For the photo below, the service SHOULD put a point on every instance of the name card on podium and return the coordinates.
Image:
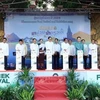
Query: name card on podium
(49, 59)
(18, 60)
(33, 60)
(80, 59)
(65, 60)
(94, 59)
(1, 60)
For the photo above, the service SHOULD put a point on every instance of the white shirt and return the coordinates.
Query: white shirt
(49, 47)
(72, 50)
(92, 47)
(42, 47)
(21, 49)
(64, 48)
(5, 48)
(85, 50)
(35, 48)
(57, 47)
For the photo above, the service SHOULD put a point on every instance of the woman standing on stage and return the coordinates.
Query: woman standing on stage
(41, 54)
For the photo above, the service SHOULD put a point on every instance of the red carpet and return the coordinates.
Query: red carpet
(50, 88)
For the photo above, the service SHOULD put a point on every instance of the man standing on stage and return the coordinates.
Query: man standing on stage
(78, 46)
(56, 54)
(64, 48)
(85, 53)
(92, 46)
(22, 49)
(49, 45)
(98, 53)
(72, 52)
(5, 47)
(34, 47)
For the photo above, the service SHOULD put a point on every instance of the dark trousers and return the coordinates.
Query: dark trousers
(85, 61)
(56, 60)
(5, 62)
(23, 61)
(90, 61)
(76, 62)
(71, 64)
(61, 67)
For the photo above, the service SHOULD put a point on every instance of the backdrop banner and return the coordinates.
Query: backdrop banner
(41, 26)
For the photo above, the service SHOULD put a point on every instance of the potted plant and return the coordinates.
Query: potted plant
(76, 87)
(8, 93)
(93, 91)
(24, 77)
(0, 94)
(25, 93)
(25, 89)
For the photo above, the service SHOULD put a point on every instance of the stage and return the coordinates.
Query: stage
(9, 77)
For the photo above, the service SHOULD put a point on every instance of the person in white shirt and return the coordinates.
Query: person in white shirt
(49, 45)
(85, 53)
(56, 55)
(64, 48)
(5, 47)
(72, 54)
(34, 47)
(21, 48)
(92, 46)
(41, 54)
(98, 52)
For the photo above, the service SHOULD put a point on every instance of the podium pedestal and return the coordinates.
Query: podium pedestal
(49, 60)
(33, 60)
(80, 59)
(65, 61)
(94, 59)
(18, 60)
(1, 60)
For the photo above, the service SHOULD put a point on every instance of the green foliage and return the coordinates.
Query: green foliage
(8, 93)
(76, 87)
(19, 92)
(25, 93)
(25, 77)
(81, 89)
(15, 4)
(75, 93)
(93, 91)
(0, 94)
(26, 90)
(67, 4)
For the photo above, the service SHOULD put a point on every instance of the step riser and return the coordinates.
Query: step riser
(51, 99)
(50, 87)
(50, 94)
